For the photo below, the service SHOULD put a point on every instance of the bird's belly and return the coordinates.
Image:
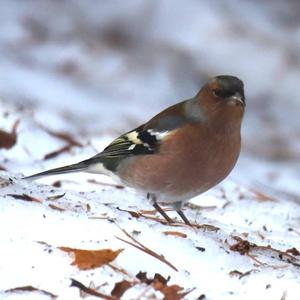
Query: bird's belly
(172, 176)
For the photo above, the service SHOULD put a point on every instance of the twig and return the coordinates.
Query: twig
(244, 247)
(120, 270)
(82, 287)
(29, 288)
(145, 249)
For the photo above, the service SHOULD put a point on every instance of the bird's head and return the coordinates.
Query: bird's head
(222, 99)
(226, 89)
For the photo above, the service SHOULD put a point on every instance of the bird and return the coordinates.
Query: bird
(180, 153)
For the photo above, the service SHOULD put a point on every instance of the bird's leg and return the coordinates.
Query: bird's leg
(152, 197)
(162, 212)
(183, 217)
(177, 206)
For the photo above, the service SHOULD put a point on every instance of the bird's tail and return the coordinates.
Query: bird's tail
(81, 166)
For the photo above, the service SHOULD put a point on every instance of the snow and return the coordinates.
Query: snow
(101, 69)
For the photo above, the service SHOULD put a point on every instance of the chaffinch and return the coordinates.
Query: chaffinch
(182, 152)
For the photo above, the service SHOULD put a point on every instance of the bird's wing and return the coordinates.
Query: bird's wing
(137, 141)
(145, 139)
(141, 140)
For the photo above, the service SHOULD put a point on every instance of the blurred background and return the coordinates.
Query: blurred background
(107, 66)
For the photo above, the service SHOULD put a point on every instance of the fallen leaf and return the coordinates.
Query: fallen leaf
(65, 136)
(90, 259)
(142, 276)
(132, 213)
(169, 292)
(175, 233)
(121, 287)
(55, 197)
(57, 152)
(293, 251)
(56, 183)
(9, 139)
(161, 278)
(159, 283)
(55, 207)
(242, 246)
(25, 197)
(29, 288)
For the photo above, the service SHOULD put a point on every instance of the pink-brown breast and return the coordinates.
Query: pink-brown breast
(189, 163)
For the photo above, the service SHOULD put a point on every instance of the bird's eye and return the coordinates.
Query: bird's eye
(221, 93)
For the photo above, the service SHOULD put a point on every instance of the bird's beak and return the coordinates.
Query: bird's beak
(236, 99)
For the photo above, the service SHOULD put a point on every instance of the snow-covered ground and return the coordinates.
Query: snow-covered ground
(76, 74)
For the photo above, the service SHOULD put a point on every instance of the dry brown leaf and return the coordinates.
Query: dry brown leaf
(25, 197)
(57, 152)
(242, 246)
(55, 207)
(55, 197)
(175, 233)
(66, 137)
(294, 251)
(90, 259)
(132, 213)
(9, 139)
(56, 183)
(160, 283)
(63, 136)
(121, 287)
(142, 276)
(170, 292)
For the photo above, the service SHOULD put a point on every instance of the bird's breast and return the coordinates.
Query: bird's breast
(189, 163)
